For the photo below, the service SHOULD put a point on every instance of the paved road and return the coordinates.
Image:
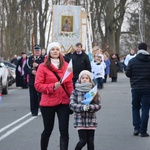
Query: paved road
(114, 131)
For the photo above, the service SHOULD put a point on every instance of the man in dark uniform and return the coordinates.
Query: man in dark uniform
(31, 68)
(80, 61)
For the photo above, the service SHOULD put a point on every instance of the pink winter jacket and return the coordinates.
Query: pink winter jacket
(44, 83)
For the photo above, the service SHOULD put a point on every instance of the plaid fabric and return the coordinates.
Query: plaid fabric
(82, 118)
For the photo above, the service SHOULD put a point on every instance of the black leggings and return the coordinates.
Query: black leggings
(48, 114)
(85, 137)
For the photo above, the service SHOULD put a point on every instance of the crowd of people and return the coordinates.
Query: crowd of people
(42, 74)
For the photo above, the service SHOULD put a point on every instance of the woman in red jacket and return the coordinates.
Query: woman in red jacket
(55, 97)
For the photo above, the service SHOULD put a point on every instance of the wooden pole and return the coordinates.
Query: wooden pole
(33, 47)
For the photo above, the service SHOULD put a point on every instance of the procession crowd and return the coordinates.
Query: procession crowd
(42, 73)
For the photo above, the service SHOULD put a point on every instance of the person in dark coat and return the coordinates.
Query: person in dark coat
(80, 61)
(69, 55)
(14, 60)
(66, 58)
(113, 67)
(31, 69)
(138, 70)
(21, 76)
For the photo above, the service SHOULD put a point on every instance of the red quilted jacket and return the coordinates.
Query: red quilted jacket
(44, 83)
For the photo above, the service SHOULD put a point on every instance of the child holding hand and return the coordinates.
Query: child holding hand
(84, 115)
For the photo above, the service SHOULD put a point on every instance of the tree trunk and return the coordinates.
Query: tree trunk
(110, 29)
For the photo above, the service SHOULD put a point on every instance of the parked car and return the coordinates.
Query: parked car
(12, 72)
(4, 77)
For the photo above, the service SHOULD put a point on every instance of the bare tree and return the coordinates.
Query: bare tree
(108, 16)
(19, 19)
(13, 28)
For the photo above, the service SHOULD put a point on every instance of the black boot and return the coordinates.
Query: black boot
(44, 142)
(64, 143)
(115, 79)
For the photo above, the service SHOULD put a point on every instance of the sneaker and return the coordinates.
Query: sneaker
(136, 132)
(144, 134)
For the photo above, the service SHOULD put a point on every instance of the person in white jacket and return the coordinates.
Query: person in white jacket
(92, 66)
(129, 57)
(98, 70)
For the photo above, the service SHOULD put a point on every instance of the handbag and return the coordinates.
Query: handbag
(57, 76)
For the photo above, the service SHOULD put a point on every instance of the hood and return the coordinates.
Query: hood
(143, 52)
(143, 55)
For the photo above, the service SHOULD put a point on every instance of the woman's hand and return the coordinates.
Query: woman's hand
(57, 85)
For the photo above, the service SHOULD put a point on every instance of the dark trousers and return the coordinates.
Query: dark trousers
(99, 83)
(105, 78)
(34, 100)
(85, 137)
(48, 114)
(24, 83)
(140, 100)
(114, 79)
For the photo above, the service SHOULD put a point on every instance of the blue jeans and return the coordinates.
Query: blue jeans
(140, 101)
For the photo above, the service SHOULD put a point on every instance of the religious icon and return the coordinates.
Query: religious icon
(67, 24)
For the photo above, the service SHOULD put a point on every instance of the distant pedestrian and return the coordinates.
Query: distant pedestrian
(107, 69)
(100, 52)
(67, 59)
(113, 68)
(31, 67)
(14, 60)
(43, 52)
(80, 61)
(94, 48)
(129, 57)
(118, 65)
(99, 71)
(21, 76)
(85, 115)
(138, 70)
(92, 66)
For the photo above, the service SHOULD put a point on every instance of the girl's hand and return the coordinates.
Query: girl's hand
(85, 107)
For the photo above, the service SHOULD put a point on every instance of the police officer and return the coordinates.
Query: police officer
(31, 68)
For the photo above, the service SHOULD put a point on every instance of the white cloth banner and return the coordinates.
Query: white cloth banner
(66, 25)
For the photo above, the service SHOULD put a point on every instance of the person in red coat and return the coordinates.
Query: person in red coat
(55, 96)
